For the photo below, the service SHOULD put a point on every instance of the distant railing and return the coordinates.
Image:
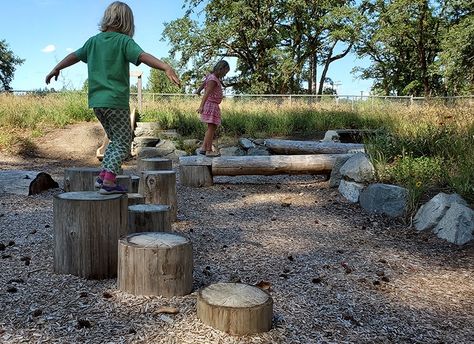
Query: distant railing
(351, 100)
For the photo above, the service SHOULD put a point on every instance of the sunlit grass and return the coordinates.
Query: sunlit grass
(421, 147)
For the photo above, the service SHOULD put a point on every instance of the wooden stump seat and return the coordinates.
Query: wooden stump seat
(159, 187)
(155, 263)
(87, 227)
(149, 218)
(235, 308)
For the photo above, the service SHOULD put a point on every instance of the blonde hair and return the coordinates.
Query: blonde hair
(221, 65)
(118, 17)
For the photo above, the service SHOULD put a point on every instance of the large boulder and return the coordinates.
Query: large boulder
(429, 214)
(336, 175)
(386, 199)
(350, 190)
(358, 168)
(457, 225)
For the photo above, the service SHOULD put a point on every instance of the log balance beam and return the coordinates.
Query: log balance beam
(199, 170)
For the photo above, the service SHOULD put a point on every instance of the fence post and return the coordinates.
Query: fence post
(411, 100)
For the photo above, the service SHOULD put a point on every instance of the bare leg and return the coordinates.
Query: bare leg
(211, 130)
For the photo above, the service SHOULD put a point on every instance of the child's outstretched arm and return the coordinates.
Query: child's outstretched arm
(66, 62)
(153, 62)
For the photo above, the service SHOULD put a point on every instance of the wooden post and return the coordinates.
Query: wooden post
(125, 181)
(195, 171)
(135, 198)
(135, 180)
(235, 308)
(155, 263)
(80, 178)
(87, 226)
(154, 164)
(274, 164)
(159, 187)
(149, 218)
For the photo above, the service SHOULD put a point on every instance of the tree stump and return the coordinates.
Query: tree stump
(80, 178)
(87, 227)
(149, 218)
(159, 187)
(124, 180)
(155, 263)
(235, 308)
(154, 164)
(195, 171)
(135, 198)
(135, 181)
(195, 176)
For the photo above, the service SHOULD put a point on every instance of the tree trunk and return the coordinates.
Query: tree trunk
(235, 308)
(149, 218)
(310, 147)
(80, 178)
(273, 165)
(159, 187)
(155, 264)
(87, 226)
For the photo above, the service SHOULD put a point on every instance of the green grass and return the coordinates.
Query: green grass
(423, 148)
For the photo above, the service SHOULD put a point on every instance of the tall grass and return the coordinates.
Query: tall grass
(424, 148)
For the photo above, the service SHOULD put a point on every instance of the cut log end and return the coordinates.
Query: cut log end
(235, 308)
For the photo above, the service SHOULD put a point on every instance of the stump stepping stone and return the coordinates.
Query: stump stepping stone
(155, 263)
(235, 308)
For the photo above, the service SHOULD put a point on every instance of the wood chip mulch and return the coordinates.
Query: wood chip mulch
(336, 273)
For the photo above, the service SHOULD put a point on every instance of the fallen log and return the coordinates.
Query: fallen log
(273, 165)
(310, 147)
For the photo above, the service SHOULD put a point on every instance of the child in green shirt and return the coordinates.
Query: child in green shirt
(108, 55)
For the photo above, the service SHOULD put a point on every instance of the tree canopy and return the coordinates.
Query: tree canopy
(8, 64)
(416, 47)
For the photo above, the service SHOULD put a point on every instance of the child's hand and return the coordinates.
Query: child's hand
(55, 73)
(200, 109)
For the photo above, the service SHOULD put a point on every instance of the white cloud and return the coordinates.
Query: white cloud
(69, 50)
(49, 48)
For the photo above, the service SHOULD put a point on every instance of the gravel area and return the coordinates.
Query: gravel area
(336, 274)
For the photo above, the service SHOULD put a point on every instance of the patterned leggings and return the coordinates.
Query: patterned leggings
(116, 123)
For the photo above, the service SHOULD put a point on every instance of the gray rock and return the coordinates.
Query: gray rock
(385, 199)
(147, 128)
(457, 225)
(168, 134)
(259, 150)
(147, 152)
(146, 141)
(336, 176)
(259, 142)
(165, 147)
(246, 143)
(232, 151)
(358, 168)
(331, 135)
(429, 214)
(350, 190)
(175, 155)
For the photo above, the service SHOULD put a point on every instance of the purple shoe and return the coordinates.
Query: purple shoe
(115, 189)
(98, 183)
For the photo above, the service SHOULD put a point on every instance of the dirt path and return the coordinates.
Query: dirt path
(336, 274)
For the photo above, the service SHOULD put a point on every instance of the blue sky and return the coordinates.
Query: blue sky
(44, 31)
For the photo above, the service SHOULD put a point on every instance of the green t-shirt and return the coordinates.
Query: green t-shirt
(108, 55)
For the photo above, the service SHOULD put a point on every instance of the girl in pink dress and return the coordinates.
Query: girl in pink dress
(209, 108)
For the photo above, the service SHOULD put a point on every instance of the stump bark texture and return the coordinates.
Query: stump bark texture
(80, 178)
(87, 227)
(159, 187)
(149, 218)
(235, 308)
(155, 263)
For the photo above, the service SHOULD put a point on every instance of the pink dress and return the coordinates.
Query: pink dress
(211, 113)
